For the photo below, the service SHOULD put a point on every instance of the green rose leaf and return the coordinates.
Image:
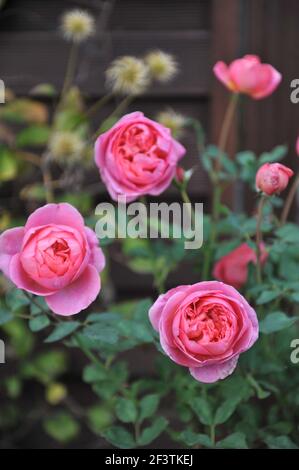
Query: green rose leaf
(225, 410)
(99, 332)
(39, 323)
(193, 439)
(148, 406)
(236, 440)
(126, 410)
(5, 316)
(62, 331)
(151, 433)
(280, 442)
(267, 296)
(120, 437)
(276, 321)
(202, 409)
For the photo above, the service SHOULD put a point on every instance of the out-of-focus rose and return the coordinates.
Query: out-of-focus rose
(248, 75)
(233, 267)
(137, 156)
(54, 256)
(297, 146)
(205, 327)
(272, 178)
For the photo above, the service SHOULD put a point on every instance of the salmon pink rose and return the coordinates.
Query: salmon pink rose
(54, 256)
(272, 178)
(205, 327)
(233, 267)
(248, 75)
(137, 156)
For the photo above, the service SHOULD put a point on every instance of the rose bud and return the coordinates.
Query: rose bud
(272, 178)
(180, 174)
(249, 76)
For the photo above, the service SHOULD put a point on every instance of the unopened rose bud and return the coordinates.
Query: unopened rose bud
(180, 174)
(272, 178)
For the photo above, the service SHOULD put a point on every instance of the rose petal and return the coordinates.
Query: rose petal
(20, 278)
(78, 295)
(10, 244)
(212, 373)
(97, 257)
(59, 214)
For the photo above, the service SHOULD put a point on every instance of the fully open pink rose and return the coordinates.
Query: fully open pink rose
(137, 156)
(233, 267)
(248, 75)
(272, 178)
(54, 256)
(205, 327)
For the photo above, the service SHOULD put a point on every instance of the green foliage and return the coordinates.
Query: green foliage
(62, 427)
(33, 136)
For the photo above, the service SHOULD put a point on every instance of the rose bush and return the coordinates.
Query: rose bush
(206, 365)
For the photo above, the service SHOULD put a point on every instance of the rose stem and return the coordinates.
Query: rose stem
(259, 237)
(216, 196)
(224, 134)
(186, 199)
(289, 201)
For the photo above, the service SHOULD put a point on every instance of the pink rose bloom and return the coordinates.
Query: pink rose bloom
(272, 178)
(205, 327)
(54, 256)
(248, 75)
(233, 267)
(297, 146)
(137, 156)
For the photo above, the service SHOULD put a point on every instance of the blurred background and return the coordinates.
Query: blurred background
(197, 33)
